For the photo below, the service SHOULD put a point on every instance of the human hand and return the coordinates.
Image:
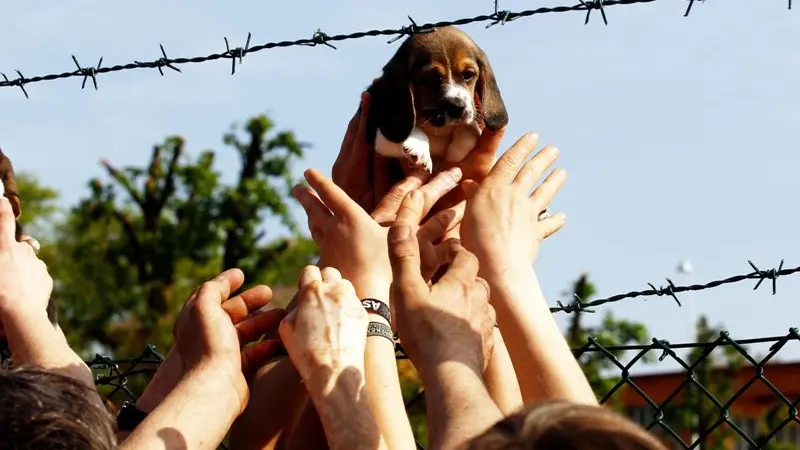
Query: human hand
(25, 284)
(501, 223)
(362, 173)
(450, 320)
(327, 331)
(212, 329)
(355, 242)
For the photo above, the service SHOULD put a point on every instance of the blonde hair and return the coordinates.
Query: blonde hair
(562, 425)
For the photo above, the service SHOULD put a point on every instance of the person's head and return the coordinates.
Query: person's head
(43, 409)
(561, 425)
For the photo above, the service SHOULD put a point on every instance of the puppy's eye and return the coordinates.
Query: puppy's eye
(468, 75)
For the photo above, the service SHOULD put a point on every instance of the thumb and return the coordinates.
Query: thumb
(404, 252)
(469, 187)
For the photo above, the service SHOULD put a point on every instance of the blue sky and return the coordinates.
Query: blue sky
(678, 134)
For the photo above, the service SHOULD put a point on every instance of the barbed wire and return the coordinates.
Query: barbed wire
(671, 290)
(319, 37)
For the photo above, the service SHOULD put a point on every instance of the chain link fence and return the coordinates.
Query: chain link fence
(718, 393)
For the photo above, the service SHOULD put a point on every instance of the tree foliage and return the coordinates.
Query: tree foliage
(126, 256)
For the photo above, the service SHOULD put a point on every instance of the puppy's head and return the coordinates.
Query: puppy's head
(437, 79)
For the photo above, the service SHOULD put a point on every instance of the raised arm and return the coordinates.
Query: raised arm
(504, 226)
(446, 329)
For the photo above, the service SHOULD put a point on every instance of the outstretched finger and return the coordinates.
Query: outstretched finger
(331, 195)
(386, 211)
(227, 282)
(510, 162)
(543, 195)
(438, 187)
(535, 167)
(308, 275)
(248, 301)
(257, 355)
(404, 253)
(259, 324)
(316, 210)
(435, 228)
(552, 224)
(8, 224)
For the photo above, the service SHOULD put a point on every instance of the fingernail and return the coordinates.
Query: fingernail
(399, 233)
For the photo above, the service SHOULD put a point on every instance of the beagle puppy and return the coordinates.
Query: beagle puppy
(8, 188)
(431, 99)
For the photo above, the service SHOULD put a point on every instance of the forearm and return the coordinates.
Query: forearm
(501, 380)
(341, 402)
(382, 379)
(458, 405)
(277, 399)
(196, 414)
(542, 359)
(32, 339)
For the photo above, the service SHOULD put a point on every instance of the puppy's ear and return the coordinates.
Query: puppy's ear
(494, 111)
(10, 184)
(392, 97)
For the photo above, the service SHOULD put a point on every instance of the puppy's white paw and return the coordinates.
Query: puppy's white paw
(418, 151)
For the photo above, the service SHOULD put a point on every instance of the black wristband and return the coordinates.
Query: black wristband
(129, 417)
(380, 329)
(378, 307)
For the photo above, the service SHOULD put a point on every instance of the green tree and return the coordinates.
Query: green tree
(130, 252)
(611, 332)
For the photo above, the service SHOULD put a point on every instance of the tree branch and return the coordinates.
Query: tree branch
(124, 182)
(140, 258)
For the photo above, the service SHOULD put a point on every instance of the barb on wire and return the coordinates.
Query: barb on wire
(672, 290)
(497, 16)
(88, 72)
(320, 38)
(235, 53)
(162, 62)
(771, 274)
(595, 4)
(17, 82)
(669, 290)
(408, 30)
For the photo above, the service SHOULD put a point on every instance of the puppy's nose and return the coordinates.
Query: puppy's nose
(455, 107)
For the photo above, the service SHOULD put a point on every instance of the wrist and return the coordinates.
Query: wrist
(498, 272)
(217, 383)
(323, 381)
(372, 286)
(451, 375)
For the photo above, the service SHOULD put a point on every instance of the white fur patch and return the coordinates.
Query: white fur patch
(417, 150)
(462, 95)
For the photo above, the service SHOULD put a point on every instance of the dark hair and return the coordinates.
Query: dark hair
(562, 425)
(41, 409)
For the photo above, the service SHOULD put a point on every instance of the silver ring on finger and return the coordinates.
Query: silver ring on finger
(544, 214)
(35, 245)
